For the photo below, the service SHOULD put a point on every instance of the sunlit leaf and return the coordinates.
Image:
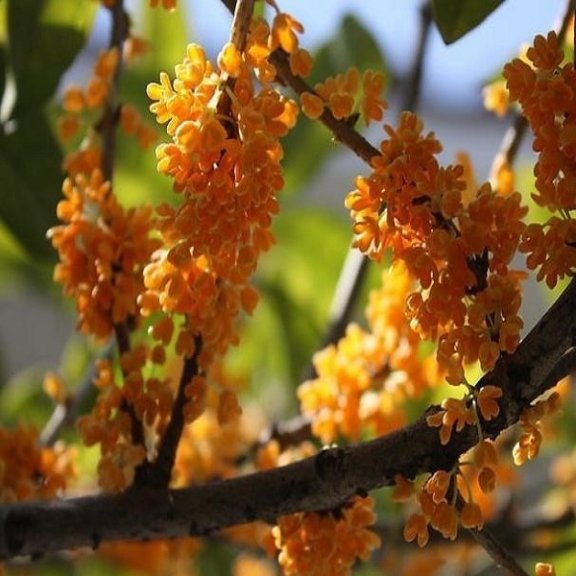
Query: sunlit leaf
(455, 18)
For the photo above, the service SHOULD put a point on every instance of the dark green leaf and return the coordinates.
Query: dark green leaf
(455, 18)
(30, 160)
(353, 45)
(44, 37)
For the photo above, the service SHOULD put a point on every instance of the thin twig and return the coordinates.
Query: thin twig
(157, 474)
(412, 94)
(565, 366)
(356, 265)
(110, 115)
(241, 23)
(493, 546)
(497, 552)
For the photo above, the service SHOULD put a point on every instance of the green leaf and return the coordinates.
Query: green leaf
(298, 277)
(352, 45)
(455, 18)
(166, 31)
(44, 37)
(30, 160)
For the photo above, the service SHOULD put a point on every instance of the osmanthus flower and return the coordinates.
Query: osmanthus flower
(326, 543)
(102, 249)
(544, 87)
(347, 94)
(365, 379)
(531, 435)
(29, 471)
(78, 100)
(225, 121)
(457, 243)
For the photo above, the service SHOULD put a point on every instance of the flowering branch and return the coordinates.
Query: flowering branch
(320, 482)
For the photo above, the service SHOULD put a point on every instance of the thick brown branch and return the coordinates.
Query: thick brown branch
(320, 482)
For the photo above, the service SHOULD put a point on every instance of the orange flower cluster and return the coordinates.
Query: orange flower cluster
(79, 105)
(110, 425)
(528, 445)
(152, 558)
(474, 481)
(340, 95)
(103, 249)
(496, 98)
(458, 248)
(77, 100)
(544, 87)
(31, 472)
(438, 512)
(224, 159)
(365, 380)
(326, 543)
(457, 413)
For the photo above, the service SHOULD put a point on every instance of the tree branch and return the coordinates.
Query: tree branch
(320, 482)
(157, 474)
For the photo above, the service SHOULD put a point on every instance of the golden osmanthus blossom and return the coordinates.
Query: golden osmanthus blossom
(456, 413)
(77, 99)
(102, 250)
(496, 98)
(81, 105)
(528, 445)
(457, 245)
(544, 88)
(365, 379)
(29, 471)
(110, 426)
(153, 558)
(208, 449)
(342, 93)
(326, 543)
(437, 508)
(225, 121)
